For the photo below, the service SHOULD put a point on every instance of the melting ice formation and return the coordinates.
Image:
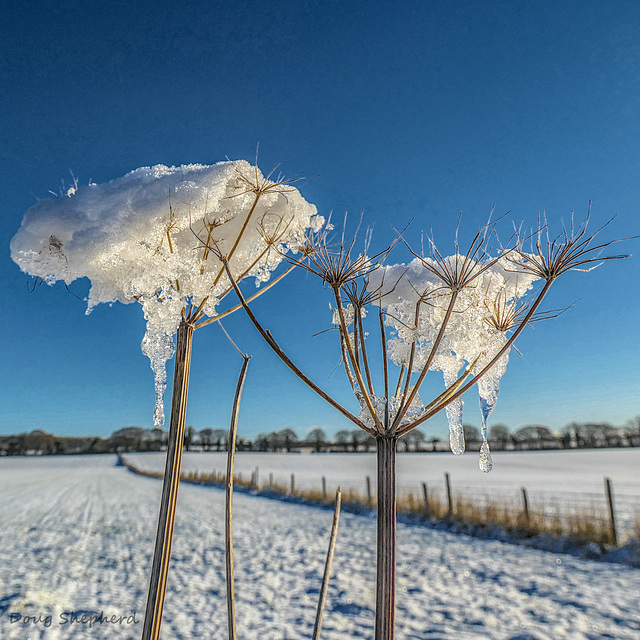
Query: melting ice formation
(475, 332)
(135, 239)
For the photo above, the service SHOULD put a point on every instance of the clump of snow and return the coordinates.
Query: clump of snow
(475, 332)
(143, 237)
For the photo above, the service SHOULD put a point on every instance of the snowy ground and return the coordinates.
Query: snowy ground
(77, 533)
(553, 478)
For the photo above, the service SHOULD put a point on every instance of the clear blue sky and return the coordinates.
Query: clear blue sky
(405, 110)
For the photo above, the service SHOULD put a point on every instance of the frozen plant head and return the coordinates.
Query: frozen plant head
(145, 238)
(572, 250)
(460, 314)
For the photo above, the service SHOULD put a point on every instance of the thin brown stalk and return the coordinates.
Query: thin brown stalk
(467, 267)
(197, 314)
(358, 374)
(399, 383)
(211, 226)
(407, 401)
(259, 188)
(386, 538)
(337, 268)
(243, 275)
(327, 566)
(572, 253)
(287, 361)
(239, 236)
(365, 359)
(345, 362)
(383, 338)
(228, 530)
(264, 289)
(412, 354)
(356, 340)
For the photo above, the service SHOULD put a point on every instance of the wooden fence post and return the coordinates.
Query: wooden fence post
(255, 480)
(270, 480)
(447, 482)
(324, 488)
(612, 514)
(525, 505)
(369, 490)
(425, 495)
(293, 483)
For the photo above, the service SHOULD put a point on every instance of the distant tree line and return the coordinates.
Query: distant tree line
(533, 437)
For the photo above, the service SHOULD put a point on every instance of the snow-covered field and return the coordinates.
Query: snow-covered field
(553, 478)
(76, 535)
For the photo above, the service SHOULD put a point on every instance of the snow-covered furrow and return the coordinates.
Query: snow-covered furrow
(76, 534)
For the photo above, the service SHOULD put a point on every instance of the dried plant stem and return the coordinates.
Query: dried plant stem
(345, 362)
(386, 543)
(224, 314)
(356, 369)
(164, 535)
(441, 399)
(383, 337)
(245, 273)
(436, 343)
(283, 356)
(228, 521)
(356, 341)
(363, 346)
(327, 566)
(412, 353)
(239, 236)
(400, 376)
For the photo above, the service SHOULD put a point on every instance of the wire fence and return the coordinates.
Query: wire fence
(598, 514)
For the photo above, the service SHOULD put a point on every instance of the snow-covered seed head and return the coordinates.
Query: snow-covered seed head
(336, 264)
(133, 237)
(572, 250)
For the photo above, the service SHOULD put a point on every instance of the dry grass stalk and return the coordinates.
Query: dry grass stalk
(327, 567)
(228, 520)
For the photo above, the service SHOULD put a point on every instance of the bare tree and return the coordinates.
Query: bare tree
(415, 439)
(287, 438)
(317, 437)
(220, 439)
(189, 435)
(499, 436)
(206, 438)
(342, 438)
